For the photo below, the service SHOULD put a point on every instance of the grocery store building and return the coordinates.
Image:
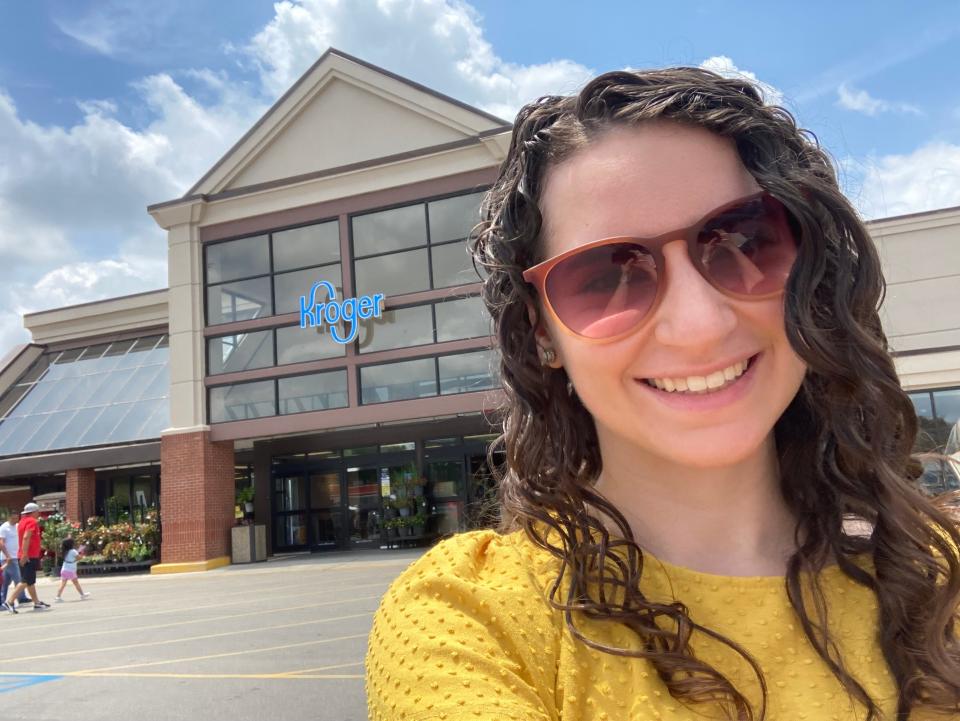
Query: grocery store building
(322, 337)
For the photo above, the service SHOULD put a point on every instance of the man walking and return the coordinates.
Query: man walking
(28, 531)
(9, 557)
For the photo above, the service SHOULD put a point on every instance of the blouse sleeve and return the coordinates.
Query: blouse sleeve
(464, 634)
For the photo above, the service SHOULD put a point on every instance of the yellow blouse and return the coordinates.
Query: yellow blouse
(465, 633)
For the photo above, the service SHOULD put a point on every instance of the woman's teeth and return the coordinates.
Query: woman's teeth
(700, 384)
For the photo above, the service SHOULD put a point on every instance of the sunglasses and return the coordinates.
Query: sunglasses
(605, 289)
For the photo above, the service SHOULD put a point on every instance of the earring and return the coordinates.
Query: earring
(547, 356)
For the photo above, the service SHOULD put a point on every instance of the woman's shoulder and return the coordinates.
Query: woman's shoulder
(483, 559)
(469, 613)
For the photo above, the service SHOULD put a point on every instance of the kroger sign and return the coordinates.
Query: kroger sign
(315, 312)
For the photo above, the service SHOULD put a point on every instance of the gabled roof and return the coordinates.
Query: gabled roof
(343, 111)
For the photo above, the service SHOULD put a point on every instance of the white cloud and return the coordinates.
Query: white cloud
(926, 179)
(722, 65)
(862, 102)
(73, 221)
(439, 43)
(118, 28)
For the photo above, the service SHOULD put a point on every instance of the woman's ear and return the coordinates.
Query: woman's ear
(547, 350)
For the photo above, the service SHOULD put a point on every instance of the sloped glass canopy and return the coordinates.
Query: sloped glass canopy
(97, 395)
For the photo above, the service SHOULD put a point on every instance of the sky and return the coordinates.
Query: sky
(107, 106)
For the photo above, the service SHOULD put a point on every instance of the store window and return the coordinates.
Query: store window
(240, 352)
(240, 300)
(394, 273)
(242, 401)
(266, 274)
(299, 345)
(389, 230)
(307, 246)
(398, 381)
(400, 328)
(312, 392)
(289, 287)
(415, 247)
(243, 258)
(462, 318)
(466, 372)
(938, 415)
(424, 377)
(938, 412)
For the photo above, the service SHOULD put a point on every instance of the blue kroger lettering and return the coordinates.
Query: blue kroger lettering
(314, 312)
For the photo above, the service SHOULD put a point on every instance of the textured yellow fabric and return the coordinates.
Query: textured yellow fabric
(465, 633)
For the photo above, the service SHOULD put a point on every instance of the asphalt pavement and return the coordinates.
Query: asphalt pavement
(283, 639)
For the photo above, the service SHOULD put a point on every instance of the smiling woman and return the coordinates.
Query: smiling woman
(699, 399)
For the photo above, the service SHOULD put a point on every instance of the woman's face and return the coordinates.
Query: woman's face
(644, 181)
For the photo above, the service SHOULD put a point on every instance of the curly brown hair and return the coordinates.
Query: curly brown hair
(844, 443)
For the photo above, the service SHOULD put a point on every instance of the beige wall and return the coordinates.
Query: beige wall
(921, 313)
(344, 125)
(128, 313)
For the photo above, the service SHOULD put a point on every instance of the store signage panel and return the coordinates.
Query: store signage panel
(315, 313)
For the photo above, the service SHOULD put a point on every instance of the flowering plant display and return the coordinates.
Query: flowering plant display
(121, 542)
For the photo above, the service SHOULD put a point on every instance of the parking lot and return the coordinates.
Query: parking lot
(283, 639)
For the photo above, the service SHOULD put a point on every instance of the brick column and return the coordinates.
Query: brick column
(81, 493)
(196, 502)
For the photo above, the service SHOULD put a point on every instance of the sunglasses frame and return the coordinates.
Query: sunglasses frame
(537, 275)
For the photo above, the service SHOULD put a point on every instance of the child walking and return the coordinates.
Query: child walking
(69, 570)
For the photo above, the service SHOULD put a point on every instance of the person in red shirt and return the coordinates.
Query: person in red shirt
(28, 531)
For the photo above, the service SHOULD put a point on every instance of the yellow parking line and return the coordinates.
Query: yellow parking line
(95, 671)
(296, 674)
(168, 641)
(204, 619)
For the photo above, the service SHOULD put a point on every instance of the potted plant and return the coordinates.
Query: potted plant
(419, 523)
(245, 499)
(391, 527)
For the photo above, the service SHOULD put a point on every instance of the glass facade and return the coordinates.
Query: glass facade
(425, 377)
(240, 352)
(417, 247)
(96, 395)
(938, 416)
(283, 396)
(938, 412)
(379, 495)
(250, 277)
(314, 392)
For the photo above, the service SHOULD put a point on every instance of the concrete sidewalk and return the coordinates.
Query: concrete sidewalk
(283, 639)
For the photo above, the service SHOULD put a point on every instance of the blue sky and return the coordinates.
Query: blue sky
(110, 105)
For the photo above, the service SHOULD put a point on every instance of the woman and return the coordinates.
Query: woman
(699, 395)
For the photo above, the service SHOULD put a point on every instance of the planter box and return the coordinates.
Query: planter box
(248, 544)
(102, 569)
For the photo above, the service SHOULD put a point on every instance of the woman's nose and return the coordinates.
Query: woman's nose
(692, 312)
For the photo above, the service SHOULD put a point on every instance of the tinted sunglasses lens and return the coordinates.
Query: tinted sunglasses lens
(748, 250)
(604, 291)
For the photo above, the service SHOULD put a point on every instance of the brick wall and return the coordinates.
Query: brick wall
(196, 497)
(81, 493)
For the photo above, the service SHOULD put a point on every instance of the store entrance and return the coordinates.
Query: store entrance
(323, 502)
(382, 496)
